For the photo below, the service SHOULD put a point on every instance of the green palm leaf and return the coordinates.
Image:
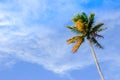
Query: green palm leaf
(91, 20)
(76, 18)
(96, 27)
(85, 18)
(95, 42)
(101, 29)
(74, 29)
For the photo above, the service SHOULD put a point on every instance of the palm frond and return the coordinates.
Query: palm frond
(85, 18)
(91, 20)
(97, 35)
(76, 17)
(77, 45)
(95, 42)
(82, 16)
(73, 39)
(96, 27)
(73, 29)
(101, 29)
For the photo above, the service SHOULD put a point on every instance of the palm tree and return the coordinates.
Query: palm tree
(86, 30)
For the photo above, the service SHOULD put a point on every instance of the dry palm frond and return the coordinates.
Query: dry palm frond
(72, 40)
(77, 45)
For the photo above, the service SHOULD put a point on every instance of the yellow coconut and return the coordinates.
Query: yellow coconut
(80, 25)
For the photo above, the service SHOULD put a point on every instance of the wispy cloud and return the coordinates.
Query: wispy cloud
(32, 42)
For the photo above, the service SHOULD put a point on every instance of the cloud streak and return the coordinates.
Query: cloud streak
(37, 43)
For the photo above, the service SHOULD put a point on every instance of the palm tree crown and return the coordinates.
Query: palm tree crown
(85, 29)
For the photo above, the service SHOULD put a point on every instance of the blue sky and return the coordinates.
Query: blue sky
(33, 40)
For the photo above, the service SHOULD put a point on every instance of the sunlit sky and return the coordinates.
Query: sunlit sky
(33, 40)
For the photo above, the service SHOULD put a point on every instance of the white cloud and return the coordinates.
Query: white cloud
(40, 49)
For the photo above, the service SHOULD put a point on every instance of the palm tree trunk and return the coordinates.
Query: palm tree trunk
(96, 61)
